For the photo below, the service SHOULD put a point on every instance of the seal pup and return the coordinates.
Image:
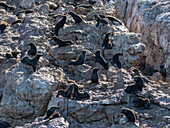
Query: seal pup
(106, 42)
(135, 87)
(17, 21)
(33, 49)
(116, 59)
(76, 17)
(99, 20)
(31, 61)
(4, 124)
(3, 26)
(61, 42)
(130, 114)
(163, 72)
(141, 102)
(50, 112)
(59, 25)
(65, 93)
(77, 95)
(12, 54)
(99, 58)
(80, 60)
(95, 76)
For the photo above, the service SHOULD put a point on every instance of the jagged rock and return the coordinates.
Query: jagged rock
(40, 123)
(27, 3)
(156, 76)
(26, 95)
(27, 91)
(151, 19)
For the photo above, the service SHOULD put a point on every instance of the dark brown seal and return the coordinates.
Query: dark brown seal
(80, 60)
(99, 58)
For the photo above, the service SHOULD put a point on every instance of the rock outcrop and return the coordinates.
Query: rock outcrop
(25, 95)
(151, 19)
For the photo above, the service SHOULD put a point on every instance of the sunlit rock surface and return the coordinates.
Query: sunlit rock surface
(25, 95)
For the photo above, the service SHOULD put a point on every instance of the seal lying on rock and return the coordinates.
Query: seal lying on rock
(12, 54)
(141, 102)
(61, 42)
(3, 4)
(17, 21)
(80, 60)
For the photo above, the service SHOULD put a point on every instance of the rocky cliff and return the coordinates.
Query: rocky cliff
(27, 95)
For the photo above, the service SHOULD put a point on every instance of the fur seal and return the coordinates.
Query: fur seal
(99, 58)
(163, 72)
(92, 2)
(99, 20)
(130, 114)
(33, 49)
(80, 60)
(3, 26)
(76, 17)
(50, 112)
(95, 76)
(25, 11)
(137, 73)
(116, 59)
(54, 115)
(77, 95)
(135, 87)
(3, 4)
(60, 24)
(141, 102)
(66, 93)
(4, 124)
(106, 42)
(112, 19)
(61, 42)
(31, 61)
(12, 54)
(17, 21)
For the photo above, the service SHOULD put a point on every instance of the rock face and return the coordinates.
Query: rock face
(151, 19)
(26, 95)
